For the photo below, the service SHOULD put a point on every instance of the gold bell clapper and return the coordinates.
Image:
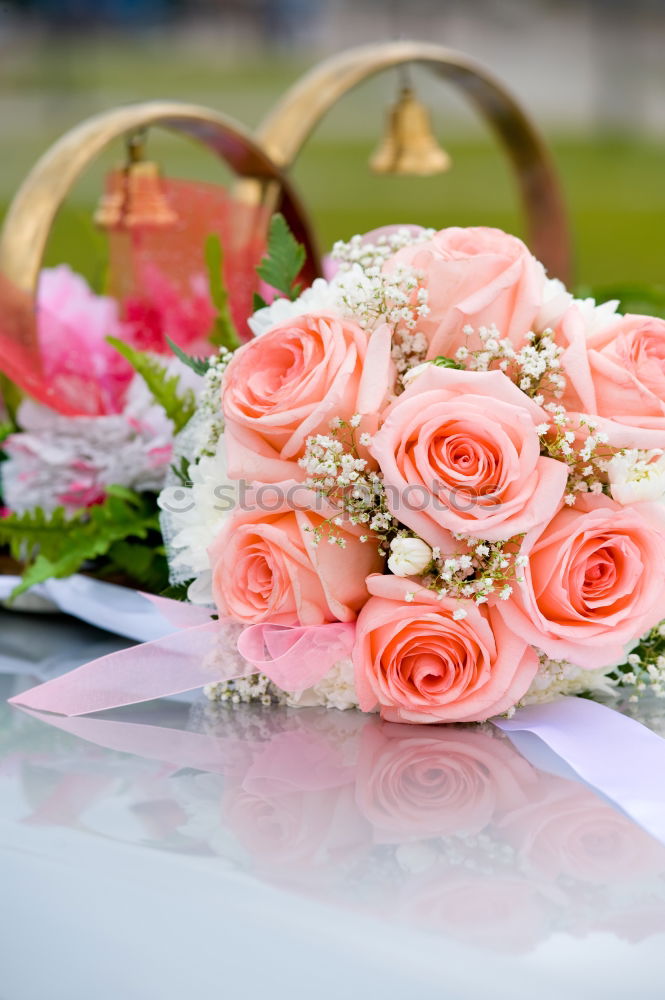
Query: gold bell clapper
(409, 146)
(134, 196)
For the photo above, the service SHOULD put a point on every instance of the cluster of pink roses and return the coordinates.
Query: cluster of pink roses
(473, 444)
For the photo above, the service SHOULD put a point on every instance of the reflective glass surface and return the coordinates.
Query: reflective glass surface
(182, 849)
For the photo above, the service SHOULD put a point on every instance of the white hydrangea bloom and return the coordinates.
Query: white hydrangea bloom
(637, 476)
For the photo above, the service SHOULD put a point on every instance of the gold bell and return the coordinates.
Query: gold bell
(134, 195)
(409, 146)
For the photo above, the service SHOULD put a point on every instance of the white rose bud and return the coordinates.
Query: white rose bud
(409, 556)
(637, 476)
(408, 376)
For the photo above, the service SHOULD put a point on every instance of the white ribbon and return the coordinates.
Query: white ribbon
(110, 607)
(613, 753)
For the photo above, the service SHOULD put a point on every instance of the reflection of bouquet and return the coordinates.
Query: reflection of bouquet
(443, 446)
(448, 828)
(440, 829)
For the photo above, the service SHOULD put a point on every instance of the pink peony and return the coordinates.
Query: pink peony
(419, 663)
(594, 582)
(476, 277)
(266, 568)
(460, 452)
(290, 383)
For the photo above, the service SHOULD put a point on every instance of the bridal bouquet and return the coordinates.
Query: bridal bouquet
(439, 463)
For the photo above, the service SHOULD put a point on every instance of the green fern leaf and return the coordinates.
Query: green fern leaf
(284, 260)
(164, 387)
(198, 365)
(57, 545)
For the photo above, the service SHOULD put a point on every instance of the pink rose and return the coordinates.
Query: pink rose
(419, 663)
(595, 581)
(266, 567)
(293, 808)
(476, 277)
(460, 452)
(290, 383)
(627, 361)
(566, 830)
(412, 786)
(301, 835)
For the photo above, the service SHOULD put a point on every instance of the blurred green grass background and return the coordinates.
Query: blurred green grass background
(614, 185)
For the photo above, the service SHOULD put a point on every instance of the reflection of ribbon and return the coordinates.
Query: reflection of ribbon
(294, 658)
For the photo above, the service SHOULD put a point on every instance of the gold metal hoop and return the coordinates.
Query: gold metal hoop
(285, 130)
(31, 213)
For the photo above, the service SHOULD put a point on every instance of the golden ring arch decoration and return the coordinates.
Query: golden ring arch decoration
(285, 130)
(35, 205)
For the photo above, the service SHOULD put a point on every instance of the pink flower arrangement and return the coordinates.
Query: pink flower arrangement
(115, 435)
(444, 446)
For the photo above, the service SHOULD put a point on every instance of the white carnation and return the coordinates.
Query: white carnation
(555, 302)
(321, 297)
(197, 511)
(597, 317)
(409, 556)
(637, 476)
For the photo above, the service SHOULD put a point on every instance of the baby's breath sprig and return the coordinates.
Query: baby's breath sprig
(586, 458)
(358, 251)
(208, 403)
(337, 472)
(485, 570)
(373, 297)
(535, 367)
(644, 669)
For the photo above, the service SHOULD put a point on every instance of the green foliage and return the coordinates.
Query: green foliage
(282, 264)
(258, 302)
(198, 365)
(223, 333)
(443, 362)
(164, 387)
(146, 564)
(176, 591)
(647, 299)
(58, 544)
(182, 471)
(5, 430)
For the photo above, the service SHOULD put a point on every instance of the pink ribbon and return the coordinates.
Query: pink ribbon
(214, 652)
(298, 658)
